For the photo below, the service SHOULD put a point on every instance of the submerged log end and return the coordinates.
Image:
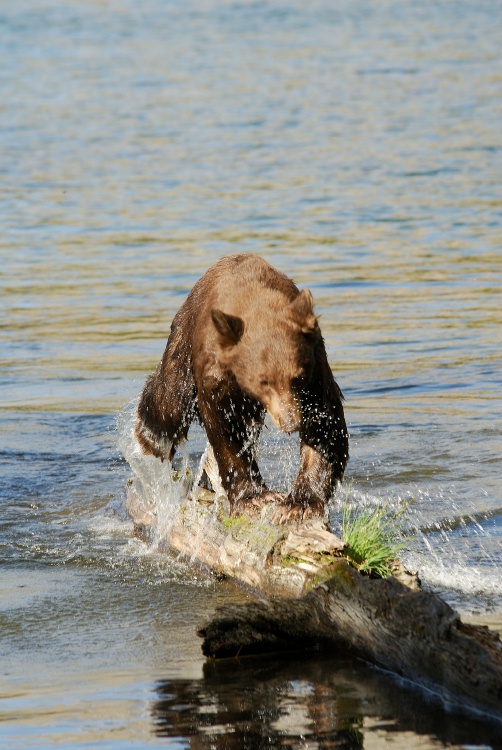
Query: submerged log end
(262, 627)
(238, 631)
(336, 611)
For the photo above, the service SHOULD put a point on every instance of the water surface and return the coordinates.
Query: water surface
(355, 145)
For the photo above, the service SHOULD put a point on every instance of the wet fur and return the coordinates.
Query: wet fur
(246, 339)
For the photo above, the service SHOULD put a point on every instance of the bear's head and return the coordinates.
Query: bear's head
(269, 350)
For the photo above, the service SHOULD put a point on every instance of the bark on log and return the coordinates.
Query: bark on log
(311, 596)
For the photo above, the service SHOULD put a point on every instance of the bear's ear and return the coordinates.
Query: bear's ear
(230, 327)
(302, 308)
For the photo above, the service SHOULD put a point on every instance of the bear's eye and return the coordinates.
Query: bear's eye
(264, 383)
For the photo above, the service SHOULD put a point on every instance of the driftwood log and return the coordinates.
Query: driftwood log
(309, 595)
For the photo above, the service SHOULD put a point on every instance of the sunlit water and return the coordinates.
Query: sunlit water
(355, 145)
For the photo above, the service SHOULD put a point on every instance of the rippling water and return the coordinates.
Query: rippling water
(355, 145)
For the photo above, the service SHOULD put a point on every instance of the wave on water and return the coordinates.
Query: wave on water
(459, 555)
(467, 580)
(463, 565)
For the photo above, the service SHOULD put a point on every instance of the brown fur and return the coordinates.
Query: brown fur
(244, 342)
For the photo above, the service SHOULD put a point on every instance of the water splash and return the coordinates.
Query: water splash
(162, 489)
(278, 456)
(458, 556)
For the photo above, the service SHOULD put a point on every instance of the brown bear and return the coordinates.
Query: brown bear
(246, 342)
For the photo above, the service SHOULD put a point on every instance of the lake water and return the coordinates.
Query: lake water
(357, 146)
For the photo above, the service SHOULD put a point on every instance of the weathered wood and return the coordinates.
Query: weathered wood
(414, 634)
(314, 596)
(273, 560)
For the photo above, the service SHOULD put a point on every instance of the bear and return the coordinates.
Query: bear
(246, 342)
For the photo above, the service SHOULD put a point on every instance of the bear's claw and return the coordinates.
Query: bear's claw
(253, 505)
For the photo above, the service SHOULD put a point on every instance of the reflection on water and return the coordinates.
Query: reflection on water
(320, 702)
(356, 145)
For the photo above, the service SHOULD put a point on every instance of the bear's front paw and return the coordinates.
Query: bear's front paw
(297, 510)
(254, 504)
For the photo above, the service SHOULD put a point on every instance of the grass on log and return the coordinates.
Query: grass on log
(372, 539)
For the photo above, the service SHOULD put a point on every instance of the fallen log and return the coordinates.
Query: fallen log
(310, 595)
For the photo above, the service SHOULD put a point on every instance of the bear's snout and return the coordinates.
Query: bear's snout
(284, 412)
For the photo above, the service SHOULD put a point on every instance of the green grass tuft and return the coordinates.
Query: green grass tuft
(371, 537)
